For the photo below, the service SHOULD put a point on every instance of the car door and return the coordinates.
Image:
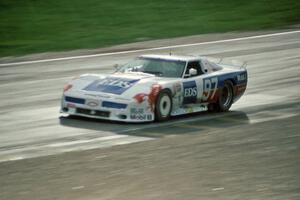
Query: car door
(192, 84)
(200, 88)
(210, 83)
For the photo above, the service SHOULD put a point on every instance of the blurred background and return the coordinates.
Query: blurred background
(34, 26)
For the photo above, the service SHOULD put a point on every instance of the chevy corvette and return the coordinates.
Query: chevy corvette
(155, 87)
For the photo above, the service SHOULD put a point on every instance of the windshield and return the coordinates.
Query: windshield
(158, 67)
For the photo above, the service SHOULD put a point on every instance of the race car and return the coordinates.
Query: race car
(155, 87)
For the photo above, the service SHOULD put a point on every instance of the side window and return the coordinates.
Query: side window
(195, 65)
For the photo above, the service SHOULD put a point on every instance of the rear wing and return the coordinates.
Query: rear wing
(227, 62)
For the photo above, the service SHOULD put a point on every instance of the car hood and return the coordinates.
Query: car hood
(118, 85)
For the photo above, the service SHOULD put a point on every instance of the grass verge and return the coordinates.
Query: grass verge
(33, 26)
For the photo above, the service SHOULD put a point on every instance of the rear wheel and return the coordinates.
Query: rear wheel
(163, 106)
(225, 99)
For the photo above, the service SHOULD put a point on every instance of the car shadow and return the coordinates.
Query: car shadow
(185, 124)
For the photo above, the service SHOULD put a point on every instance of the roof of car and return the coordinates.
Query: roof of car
(171, 57)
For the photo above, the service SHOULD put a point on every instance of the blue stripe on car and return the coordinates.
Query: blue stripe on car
(109, 104)
(236, 77)
(75, 100)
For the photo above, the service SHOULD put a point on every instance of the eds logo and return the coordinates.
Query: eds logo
(111, 85)
(189, 92)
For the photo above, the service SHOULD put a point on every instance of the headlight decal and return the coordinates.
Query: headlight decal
(109, 104)
(75, 100)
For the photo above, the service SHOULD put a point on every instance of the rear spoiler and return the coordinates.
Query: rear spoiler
(227, 62)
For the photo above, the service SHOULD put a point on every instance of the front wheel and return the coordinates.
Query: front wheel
(163, 106)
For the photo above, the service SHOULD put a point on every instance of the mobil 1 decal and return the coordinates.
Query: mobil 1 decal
(189, 92)
(210, 86)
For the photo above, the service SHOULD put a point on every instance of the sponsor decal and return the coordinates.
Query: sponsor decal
(177, 88)
(111, 85)
(98, 95)
(137, 110)
(141, 116)
(242, 77)
(189, 92)
(154, 91)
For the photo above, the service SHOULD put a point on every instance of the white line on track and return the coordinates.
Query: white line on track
(61, 144)
(150, 49)
(32, 151)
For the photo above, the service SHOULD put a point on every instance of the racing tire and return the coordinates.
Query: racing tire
(225, 99)
(163, 106)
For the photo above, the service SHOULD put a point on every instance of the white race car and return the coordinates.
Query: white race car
(155, 87)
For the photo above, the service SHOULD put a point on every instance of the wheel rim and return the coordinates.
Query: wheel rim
(165, 105)
(226, 95)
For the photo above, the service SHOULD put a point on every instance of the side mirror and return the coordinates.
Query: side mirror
(193, 72)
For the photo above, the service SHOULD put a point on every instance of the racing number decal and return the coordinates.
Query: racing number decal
(210, 86)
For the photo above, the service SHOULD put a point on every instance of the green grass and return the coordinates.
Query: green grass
(34, 26)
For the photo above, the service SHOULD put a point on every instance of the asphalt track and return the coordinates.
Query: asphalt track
(251, 152)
